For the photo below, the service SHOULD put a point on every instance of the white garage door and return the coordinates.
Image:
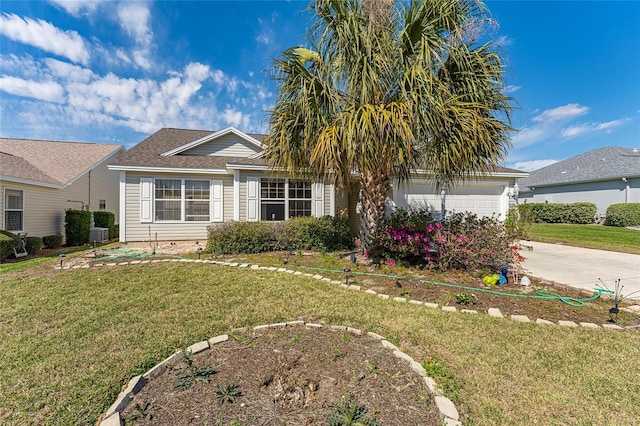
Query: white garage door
(482, 200)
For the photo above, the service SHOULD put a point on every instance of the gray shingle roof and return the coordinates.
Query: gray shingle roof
(148, 153)
(608, 163)
(50, 162)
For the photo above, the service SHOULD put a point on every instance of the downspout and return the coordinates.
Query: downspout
(89, 199)
(626, 190)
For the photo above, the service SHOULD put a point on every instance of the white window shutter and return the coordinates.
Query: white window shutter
(217, 201)
(146, 200)
(252, 199)
(317, 208)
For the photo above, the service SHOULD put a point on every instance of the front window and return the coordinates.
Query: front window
(168, 199)
(182, 200)
(281, 199)
(196, 200)
(299, 198)
(13, 210)
(272, 199)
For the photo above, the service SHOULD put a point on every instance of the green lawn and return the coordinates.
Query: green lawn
(590, 236)
(71, 339)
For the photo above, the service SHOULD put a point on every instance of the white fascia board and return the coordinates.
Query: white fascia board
(246, 167)
(167, 170)
(4, 178)
(210, 137)
(477, 174)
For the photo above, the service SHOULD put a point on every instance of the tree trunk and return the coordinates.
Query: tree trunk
(373, 195)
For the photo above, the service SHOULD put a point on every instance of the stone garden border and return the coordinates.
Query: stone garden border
(111, 417)
(494, 312)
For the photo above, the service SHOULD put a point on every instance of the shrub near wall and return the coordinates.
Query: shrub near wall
(239, 237)
(623, 214)
(34, 244)
(8, 242)
(309, 233)
(105, 220)
(52, 241)
(577, 213)
(77, 227)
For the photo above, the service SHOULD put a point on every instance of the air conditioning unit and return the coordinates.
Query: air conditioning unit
(99, 235)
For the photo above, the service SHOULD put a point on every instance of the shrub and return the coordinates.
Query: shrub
(473, 243)
(623, 214)
(105, 220)
(77, 227)
(8, 242)
(577, 213)
(310, 233)
(34, 244)
(240, 237)
(461, 241)
(52, 241)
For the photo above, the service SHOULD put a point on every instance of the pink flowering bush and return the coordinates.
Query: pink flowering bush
(461, 241)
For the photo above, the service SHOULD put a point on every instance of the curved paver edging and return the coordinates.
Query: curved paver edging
(494, 312)
(111, 417)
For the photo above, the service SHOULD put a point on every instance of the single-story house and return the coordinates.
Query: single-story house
(41, 179)
(603, 176)
(177, 182)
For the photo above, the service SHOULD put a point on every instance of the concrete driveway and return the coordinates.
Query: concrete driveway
(580, 267)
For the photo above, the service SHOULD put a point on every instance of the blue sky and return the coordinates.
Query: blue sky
(114, 72)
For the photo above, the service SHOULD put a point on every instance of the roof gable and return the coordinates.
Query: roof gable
(229, 142)
(51, 162)
(608, 163)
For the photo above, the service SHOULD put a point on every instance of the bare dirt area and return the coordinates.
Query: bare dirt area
(292, 376)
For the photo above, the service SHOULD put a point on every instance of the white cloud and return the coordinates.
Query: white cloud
(510, 88)
(134, 19)
(577, 130)
(529, 135)
(560, 113)
(264, 38)
(529, 166)
(49, 91)
(504, 41)
(45, 36)
(76, 7)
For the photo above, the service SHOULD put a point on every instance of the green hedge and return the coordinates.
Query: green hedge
(8, 242)
(34, 244)
(77, 227)
(578, 213)
(623, 214)
(309, 233)
(239, 237)
(105, 220)
(52, 241)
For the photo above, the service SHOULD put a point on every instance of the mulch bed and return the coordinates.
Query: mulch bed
(293, 376)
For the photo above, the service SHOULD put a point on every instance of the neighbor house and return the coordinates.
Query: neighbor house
(603, 176)
(41, 179)
(177, 182)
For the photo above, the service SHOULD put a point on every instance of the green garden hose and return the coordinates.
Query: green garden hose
(571, 301)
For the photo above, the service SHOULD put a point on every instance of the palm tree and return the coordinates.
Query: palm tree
(382, 90)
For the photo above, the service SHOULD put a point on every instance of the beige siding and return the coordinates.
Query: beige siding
(138, 231)
(104, 186)
(44, 208)
(229, 145)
